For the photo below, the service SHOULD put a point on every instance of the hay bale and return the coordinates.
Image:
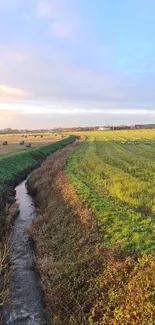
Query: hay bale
(28, 145)
(22, 142)
(4, 143)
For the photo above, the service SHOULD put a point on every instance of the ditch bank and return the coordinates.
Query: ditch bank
(15, 168)
(64, 243)
(84, 282)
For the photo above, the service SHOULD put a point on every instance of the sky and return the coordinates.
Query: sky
(76, 63)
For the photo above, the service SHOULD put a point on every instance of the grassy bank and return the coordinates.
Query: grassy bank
(14, 168)
(88, 279)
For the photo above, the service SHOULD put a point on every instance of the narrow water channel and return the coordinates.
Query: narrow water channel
(26, 306)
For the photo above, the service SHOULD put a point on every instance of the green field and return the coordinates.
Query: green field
(95, 239)
(120, 134)
(115, 177)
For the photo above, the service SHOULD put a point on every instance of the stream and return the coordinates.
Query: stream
(26, 305)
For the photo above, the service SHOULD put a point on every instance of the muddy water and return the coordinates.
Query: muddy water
(26, 307)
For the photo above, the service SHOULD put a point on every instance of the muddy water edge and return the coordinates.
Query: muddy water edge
(26, 304)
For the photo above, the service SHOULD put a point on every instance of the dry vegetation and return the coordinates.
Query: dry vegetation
(85, 282)
(37, 140)
(6, 218)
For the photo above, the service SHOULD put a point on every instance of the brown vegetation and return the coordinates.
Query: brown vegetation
(4, 278)
(6, 219)
(70, 196)
(84, 283)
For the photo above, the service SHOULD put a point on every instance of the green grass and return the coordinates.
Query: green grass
(14, 164)
(116, 181)
(85, 275)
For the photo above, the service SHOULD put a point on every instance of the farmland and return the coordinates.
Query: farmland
(95, 237)
(117, 183)
(36, 140)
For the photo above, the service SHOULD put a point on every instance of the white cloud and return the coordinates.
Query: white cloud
(44, 10)
(12, 3)
(60, 30)
(50, 75)
(7, 93)
(61, 16)
(71, 108)
(11, 53)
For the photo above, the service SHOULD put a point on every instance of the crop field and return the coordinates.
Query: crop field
(95, 237)
(120, 134)
(36, 140)
(113, 174)
(116, 180)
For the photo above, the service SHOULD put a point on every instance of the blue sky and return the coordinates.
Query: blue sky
(75, 62)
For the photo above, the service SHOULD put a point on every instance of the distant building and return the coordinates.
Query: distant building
(103, 129)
